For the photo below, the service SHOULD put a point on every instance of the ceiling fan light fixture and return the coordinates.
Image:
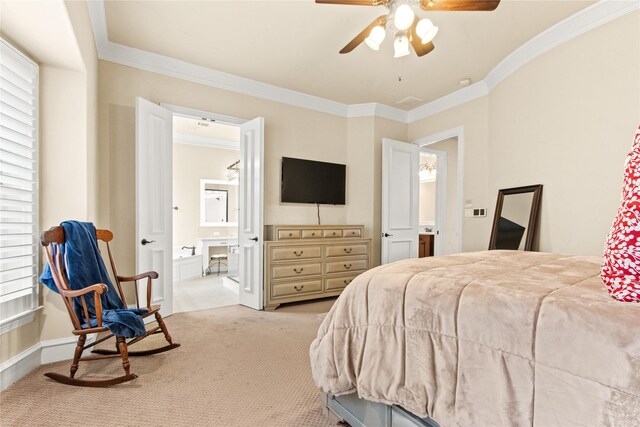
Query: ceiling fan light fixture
(376, 37)
(401, 47)
(426, 30)
(403, 17)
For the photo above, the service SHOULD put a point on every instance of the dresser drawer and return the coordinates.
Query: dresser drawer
(286, 234)
(336, 283)
(345, 250)
(296, 270)
(351, 232)
(332, 232)
(296, 288)
(295, 252)
(345, 265)
(311, 234)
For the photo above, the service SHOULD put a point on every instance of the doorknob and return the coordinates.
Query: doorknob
(387, 235)
(255, 239)
(145, 241)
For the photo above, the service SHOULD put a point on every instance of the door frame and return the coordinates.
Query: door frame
(220, 118)
(457, 132)
(441, 198)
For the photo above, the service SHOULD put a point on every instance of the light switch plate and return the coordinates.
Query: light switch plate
(475, 212)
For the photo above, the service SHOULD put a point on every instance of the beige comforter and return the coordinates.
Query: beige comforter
(498, 338)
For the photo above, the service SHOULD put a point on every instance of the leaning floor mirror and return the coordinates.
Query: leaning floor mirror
(515, 221)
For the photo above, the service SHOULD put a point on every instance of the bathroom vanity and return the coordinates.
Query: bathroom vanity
(425, 244)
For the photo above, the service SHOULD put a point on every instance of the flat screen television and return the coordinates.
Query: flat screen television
(308, 181)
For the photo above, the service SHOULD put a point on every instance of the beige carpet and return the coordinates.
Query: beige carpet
(236, 367)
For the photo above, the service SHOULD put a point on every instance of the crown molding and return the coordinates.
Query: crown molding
(378, 110)
(137, 58)
(201, 141)
(585, 20)
(579, 23)
(459, 97)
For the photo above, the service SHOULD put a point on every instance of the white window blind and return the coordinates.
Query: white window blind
(18, 184)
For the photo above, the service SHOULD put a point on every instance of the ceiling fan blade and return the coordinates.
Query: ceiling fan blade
(381, 20)
(355, 2)
(421, 49)
(459, 5)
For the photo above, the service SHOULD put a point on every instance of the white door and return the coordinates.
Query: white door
(154, 134)
(250, 227)
(399, 201)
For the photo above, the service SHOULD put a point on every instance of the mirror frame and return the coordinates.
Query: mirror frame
(203, 223)
(533, 215)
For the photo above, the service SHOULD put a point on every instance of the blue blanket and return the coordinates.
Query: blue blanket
(85, 267)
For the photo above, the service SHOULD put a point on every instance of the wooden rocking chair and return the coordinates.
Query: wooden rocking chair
(50, 240)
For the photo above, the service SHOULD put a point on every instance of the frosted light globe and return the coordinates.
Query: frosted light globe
(403, 17)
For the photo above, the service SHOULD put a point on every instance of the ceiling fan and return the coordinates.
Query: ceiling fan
(405, 24)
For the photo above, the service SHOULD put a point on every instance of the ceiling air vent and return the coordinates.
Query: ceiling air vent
(409, 101)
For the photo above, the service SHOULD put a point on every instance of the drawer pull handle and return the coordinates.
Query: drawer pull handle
(290, 234)
(334, 233)
(298, 272)
(346, 282)
(347, 266)
(298, 288)
(348, 250)
(298, 254)
(313, 234)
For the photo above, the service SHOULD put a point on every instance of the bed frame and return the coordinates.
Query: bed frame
(358, 412)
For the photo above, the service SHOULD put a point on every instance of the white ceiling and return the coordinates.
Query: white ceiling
(295, 44)
(53, 43)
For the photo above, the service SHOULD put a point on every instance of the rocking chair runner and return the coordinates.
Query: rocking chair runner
(56, 236)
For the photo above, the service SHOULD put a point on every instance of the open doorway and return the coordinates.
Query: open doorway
(447, 200)
(430, 220)
(206, 157)
(447, 148)
(154, 203)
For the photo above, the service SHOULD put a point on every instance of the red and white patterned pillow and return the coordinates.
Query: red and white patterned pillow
(621, 260)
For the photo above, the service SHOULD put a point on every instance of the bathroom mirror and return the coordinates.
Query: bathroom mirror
(218, 203)
(515, 221)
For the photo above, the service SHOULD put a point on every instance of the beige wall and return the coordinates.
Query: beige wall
(289, 131)
(191, 164)
(68, 137)
(360, 174)
(427, 197)
(565, 120)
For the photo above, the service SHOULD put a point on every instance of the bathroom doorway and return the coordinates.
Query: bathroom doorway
(206, 160)
(430, 196)
(440, 195)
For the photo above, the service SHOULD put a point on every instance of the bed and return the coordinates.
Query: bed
(499, 338)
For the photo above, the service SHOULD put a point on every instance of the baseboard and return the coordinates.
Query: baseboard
(39, 354)
(19, 366)
(60, 349)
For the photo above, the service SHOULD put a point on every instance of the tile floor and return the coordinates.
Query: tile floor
(202, 293)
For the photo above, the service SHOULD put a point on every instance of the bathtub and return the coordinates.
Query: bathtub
(185, 265)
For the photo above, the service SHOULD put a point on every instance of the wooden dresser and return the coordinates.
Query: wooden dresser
(305, 262)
